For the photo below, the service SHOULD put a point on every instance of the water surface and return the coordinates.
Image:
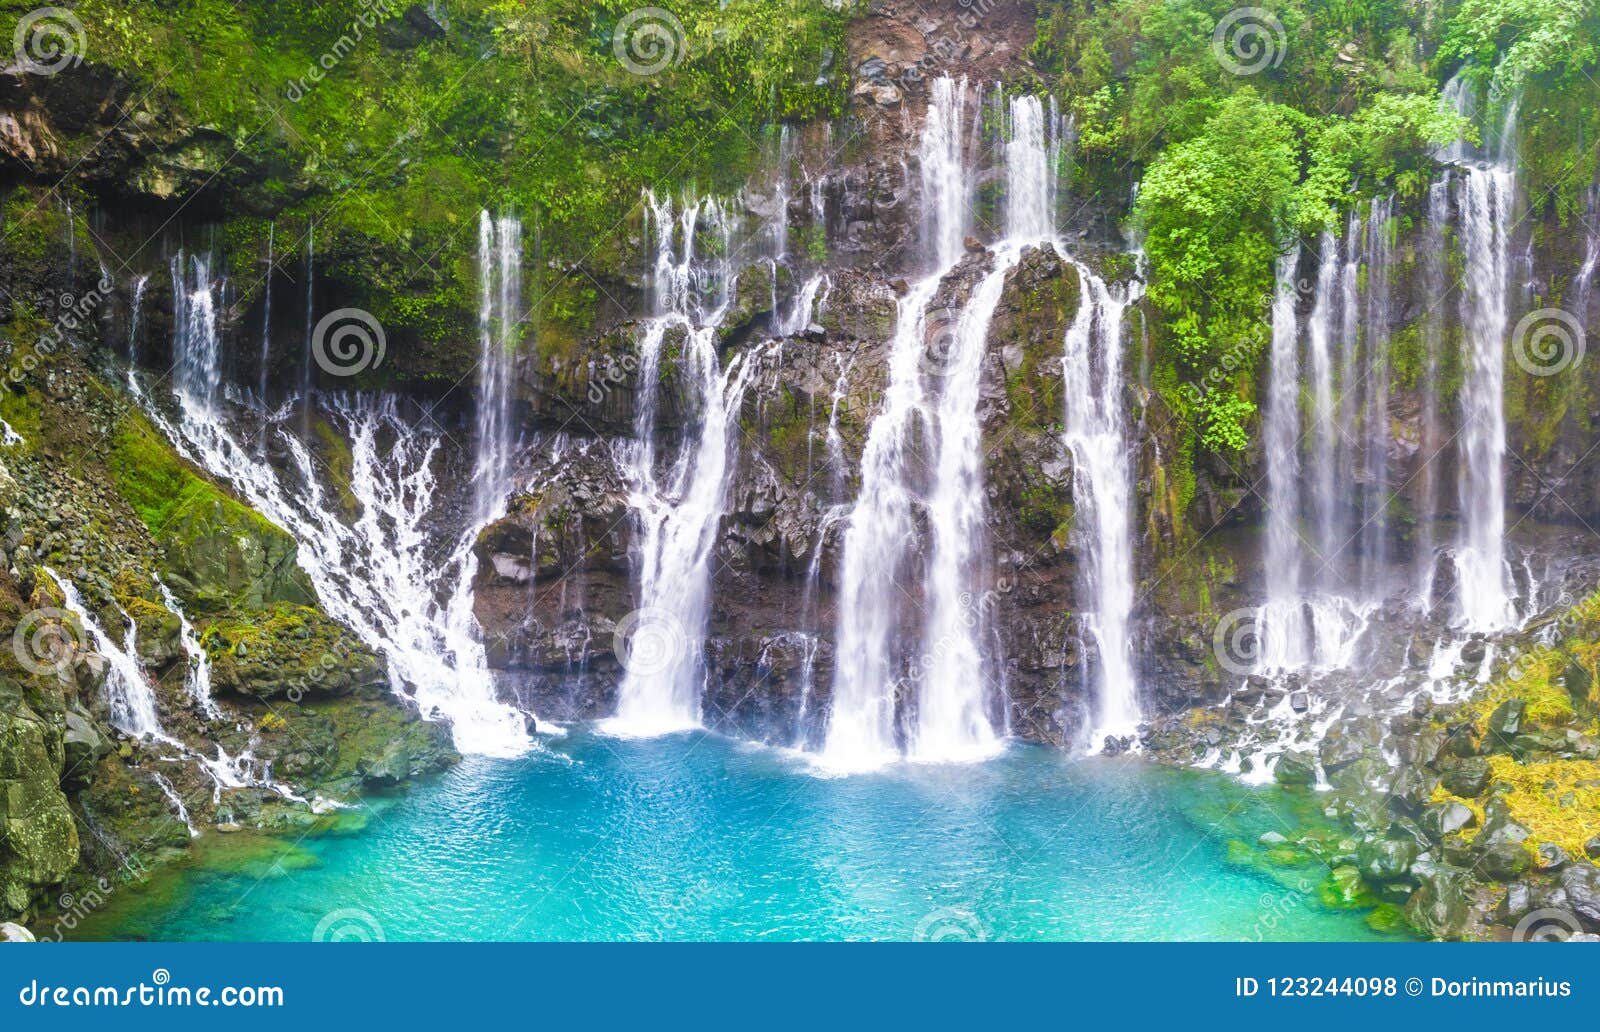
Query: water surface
(693, 836)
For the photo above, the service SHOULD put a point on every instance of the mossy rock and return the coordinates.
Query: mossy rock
(38, 838)
(291, 651)
(362, 741)
(217, 553)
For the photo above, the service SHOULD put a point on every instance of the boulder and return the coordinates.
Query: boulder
(1387, 860)
(1295, 768)
(10, 931)
(1505, 724)
(1441, 819)
(1580, 889)
(1409, 790)
(85, 746)
(1467, 778)
(1441, 907)
(1552, 857)
(1498, 850)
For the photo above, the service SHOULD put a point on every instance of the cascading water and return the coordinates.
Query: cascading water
(679, 511)
(198, 680)
(1324, 444)
(1092, 383)
(1485, 194)
(1374, 537)
(499, 330)
(1281, 621)
(861, 727)
(376, 575)
(953, 720)
(129, 696)
(1432, 443)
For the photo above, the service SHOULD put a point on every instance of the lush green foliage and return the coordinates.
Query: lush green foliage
(1246, 130)
(388, 130)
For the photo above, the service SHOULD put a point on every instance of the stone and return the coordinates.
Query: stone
(1295, 768)
(1552, 857)
(1299, 702)
(1579, 683)
(1592, 848)
(1441, 907)
(1409, 791)
(1498, 850)
(1271, 838)
(1580, 890)
(1467, 778)
(10, 931)
(1387, 860)
(1505, 723)
(84, 746)
(1442, 819)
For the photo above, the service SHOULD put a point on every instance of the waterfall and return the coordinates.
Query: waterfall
(141, 285)
(1324, 438)
(1092, 383)
(176, 800)
(953, 702)
(803, 314)
(678, 511)
(198, 680)
(1431, 445)
(1584, 281)
(499, 331)
(1375, 497)
(376, 575)
(266, 320)
(306, 375)
(197, 342)
(1485, 194)
(129, 695)
(1282, 624)
(861, 726)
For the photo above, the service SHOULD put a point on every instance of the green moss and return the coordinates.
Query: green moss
(1556, 800)
(522, 105)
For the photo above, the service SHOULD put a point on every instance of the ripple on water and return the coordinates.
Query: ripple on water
(692, 836)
